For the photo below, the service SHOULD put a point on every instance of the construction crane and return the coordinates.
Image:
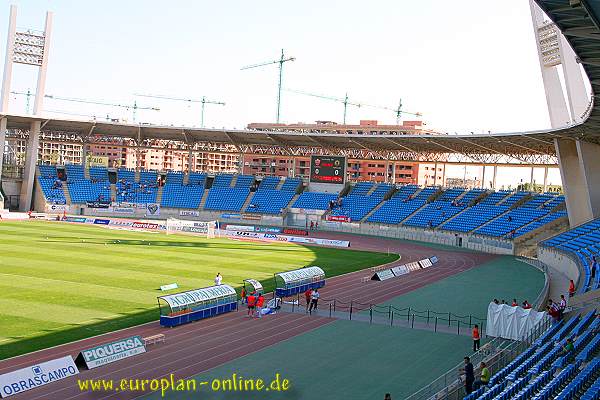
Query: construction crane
(203, 101)
(283, 59)
(133, 107)
(397, 111)
(344, 101)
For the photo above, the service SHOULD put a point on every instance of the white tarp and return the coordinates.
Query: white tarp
(512, 322)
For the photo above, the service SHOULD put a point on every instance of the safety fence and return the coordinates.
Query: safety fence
(394, 316)
(496, 354)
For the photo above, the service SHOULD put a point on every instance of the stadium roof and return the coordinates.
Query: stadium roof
(579, 23)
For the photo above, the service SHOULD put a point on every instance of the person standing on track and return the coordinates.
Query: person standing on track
(314, 300)
(307, 296)
(259, 304)
(251, 300)
(476, 338)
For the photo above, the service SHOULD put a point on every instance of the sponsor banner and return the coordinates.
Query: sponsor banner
(433, 259)
(28, 378)
(413, 266)
(98, 204)
(245, 228)
(293, 231)
(251, 217)
(287, 238)
(231, 216)
(97, 161)
(123, 210)
(267, 229)
(80, 220)
(116, 222)
(111, 352)
(322, 242)
(338, 218)
(99, 221)
(399, 270)
(170, 286)
(425, 263)
(56, 208)
(189, 213)
(383, 275)
(144, 225)
(190, 297)
(152, 210)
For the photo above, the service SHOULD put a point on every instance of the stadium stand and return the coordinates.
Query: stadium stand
(51, 186)
(222, 180)
(314, 201)
(269, 182)
(268, 200)
(582, 243)
(433, 214)
(474, 217)
(291, 184)
(177, 195)
(225, 198)
(99, 174)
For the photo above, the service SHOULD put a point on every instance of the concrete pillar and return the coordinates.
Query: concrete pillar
(31, 157)
(293, 174)
(531, 181)
(482, 176)
(84, 155)
(545, 179)
(494, 177)
(190, 160)
(394, 173)
(578, 161)
(589, 162)
(3, 122)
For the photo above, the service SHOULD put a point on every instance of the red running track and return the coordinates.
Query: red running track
(193, 348)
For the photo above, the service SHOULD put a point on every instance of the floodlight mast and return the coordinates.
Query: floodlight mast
(283, 59)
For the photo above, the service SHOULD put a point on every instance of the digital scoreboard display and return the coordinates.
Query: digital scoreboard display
(327, 169)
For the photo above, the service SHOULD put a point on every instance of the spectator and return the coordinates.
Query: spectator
(562, 305)
(594, 266)
(503, 301)
(514, 303)
(307, 296)
(317, 225)
(243, 295)
(571, 288)
(496, 301)
(314, 300)
(553, 310)
(485, 377)
(387, 397)
(218, 279)
(312, 225)
(568, 347)
(469, 375)
(476, 338)
(526, 305)
(251, 300)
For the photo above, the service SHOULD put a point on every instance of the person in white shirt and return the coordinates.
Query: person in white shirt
(218, 279)
(314, 299)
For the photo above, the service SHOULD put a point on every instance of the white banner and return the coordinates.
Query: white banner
(244, 228)
(286, 238)
(56, 208)
(113, 351)
(512, 322)
(37, 375)
(152, 210)
(189, 213)
(400, 270)
(123, 210)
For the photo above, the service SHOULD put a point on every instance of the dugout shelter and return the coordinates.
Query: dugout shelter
(298, 281)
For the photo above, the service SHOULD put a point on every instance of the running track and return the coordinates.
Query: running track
(193, 348)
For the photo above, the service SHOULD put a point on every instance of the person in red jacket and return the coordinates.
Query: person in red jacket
(243, 295)
(476, 338)
(259, 304)
(307, 297)
(251, 304)
(571, 288)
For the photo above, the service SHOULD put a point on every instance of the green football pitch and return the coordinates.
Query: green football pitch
(62, 282)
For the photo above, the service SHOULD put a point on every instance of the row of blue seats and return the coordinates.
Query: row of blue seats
(269, 201)
(580, 381)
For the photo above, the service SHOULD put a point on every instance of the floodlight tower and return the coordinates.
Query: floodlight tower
(554, 52)
(30, 47)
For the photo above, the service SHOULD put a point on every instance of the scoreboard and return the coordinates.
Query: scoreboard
(327, 169)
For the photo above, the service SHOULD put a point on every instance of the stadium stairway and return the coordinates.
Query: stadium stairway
(233, 181)
(377, 207)
(159, 194)
(413, 213)
(452, 217)
(203, 201)
(67, 194)
(526, 245)
(113, 192)
(86, 172)
(248, 200)
(280, 183)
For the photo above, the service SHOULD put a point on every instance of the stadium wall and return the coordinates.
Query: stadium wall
(560, 261)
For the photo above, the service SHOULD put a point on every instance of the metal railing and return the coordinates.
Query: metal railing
(394, 316)
(497, 354)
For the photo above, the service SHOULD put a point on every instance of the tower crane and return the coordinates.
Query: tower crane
(133, 107)
(344, 101)
(397, 111)
(283, 59)
(203, 101)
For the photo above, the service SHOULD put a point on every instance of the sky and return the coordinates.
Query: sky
(467, 67)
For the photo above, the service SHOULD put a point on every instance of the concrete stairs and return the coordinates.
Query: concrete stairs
(86, 172)
(247, 202)
(137, 175)
(159, 195)
(411, 214)
(377, 207)
(203, 200)
(489, 222)
(186, 178)
(526, 245)
(65, 189)
(280, 184)
(233, 181)
(113, 192)
(435, 195)
(452, 217)
(372, 189)
(292, 201)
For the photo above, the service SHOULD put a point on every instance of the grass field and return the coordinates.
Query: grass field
(63, 282)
